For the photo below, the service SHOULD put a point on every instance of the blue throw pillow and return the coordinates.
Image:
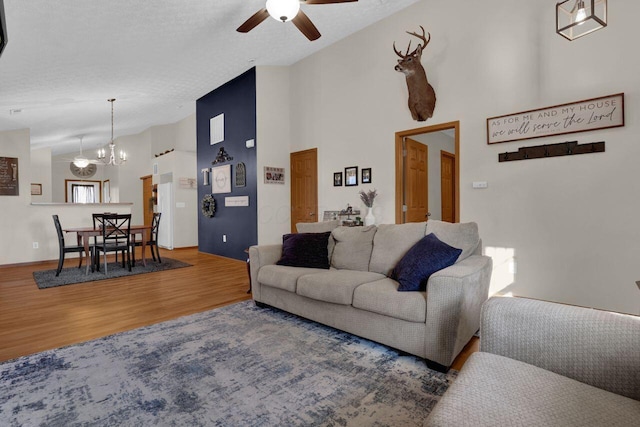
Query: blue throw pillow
(305, 250)
(426, 257)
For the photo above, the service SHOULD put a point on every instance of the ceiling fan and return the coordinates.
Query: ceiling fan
(288, 10)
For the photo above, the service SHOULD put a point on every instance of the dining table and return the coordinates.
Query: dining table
(84, 235)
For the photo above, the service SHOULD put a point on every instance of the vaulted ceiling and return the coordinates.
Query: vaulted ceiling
(65, 58)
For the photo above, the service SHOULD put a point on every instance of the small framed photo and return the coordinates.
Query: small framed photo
(337, 179)
(36, 189)
(366, 175)
(350, 176)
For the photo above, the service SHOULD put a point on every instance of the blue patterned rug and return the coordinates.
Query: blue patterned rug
(234, 366)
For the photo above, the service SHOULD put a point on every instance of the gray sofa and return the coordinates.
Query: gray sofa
(547, 364)
(357, 295)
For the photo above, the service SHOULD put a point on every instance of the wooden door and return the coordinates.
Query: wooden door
(304, 187)
(147, 199)
(416, 181)
(448, 186)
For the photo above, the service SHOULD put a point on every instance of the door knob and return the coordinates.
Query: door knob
(312, 214)
(428, 214)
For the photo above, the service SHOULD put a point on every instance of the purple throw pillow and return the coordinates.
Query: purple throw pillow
(426, 257)
(305, 250)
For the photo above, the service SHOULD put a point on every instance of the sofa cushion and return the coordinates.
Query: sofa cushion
(382, 297)
(305, 250)
(334, 286)
(391, 242)
(421, 261)
(320, 227)
(283, 277)
(353, 246)
(494, 390)
(459, 235)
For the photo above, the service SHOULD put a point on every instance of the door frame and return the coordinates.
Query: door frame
(400, 163)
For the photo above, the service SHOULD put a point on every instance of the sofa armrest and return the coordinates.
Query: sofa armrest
(454, 300)
(595, 347)
(260, 256)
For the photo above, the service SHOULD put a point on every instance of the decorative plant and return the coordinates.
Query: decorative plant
(368, 197)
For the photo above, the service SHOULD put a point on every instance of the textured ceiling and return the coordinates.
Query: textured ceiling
(65, 58)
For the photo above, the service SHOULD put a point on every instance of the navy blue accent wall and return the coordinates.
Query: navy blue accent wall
(237, 100)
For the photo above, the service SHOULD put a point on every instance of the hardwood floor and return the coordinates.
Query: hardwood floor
(34, 320)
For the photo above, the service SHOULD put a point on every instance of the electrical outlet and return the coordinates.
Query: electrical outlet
(480, 184)
(224, 238)
(35, 245)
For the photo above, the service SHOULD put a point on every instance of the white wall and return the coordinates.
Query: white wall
(273, 148)
(40, 169)
(180, 164)
(562, 229)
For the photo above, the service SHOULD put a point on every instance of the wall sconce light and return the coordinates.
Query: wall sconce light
(577, 18)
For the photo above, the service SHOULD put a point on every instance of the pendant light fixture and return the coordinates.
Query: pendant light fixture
(102, 154)
(81, 161)
(577, 18)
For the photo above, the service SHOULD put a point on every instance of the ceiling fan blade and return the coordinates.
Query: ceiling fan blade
(305, 26)
(253, 22)
(327, 1)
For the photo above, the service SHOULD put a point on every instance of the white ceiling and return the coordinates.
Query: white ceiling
(65, 58)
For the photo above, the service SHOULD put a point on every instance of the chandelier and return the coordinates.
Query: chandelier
(102, 154)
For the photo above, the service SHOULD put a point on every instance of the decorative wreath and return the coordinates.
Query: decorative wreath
(208, 206)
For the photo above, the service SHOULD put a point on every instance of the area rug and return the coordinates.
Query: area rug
(68, 276)
(238, 365)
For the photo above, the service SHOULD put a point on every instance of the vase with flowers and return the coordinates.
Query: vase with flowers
(367, 198)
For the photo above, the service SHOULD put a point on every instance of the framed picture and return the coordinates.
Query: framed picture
(350, 176)
(273, 175)
(221, 179)
(36, 189)
(366, 175)
(337, 179)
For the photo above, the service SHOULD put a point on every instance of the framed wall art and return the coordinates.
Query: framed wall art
(366, 175)
(9, 184)
(273, 175)
(221, 179)
(581, 116)
(350, 176)
(337, 179)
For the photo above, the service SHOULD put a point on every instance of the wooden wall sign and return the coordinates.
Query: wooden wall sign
(9, 184)
(591, 114)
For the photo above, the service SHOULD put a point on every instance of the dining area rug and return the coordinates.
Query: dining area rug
(238, 365)
(70, 275)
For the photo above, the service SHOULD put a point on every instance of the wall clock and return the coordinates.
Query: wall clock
(87, 172)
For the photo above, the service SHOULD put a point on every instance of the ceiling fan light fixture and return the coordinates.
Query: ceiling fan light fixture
(283, 10)
(81, 162)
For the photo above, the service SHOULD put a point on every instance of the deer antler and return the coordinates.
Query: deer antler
(396, 51)
(422, 46)
(421, 37)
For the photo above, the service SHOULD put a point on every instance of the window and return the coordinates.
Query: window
(82, 191)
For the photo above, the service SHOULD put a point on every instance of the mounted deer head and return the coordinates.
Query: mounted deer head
(422, 97)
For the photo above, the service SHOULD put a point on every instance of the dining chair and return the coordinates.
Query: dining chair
(116, 232)
(65, 249)
(152, 242)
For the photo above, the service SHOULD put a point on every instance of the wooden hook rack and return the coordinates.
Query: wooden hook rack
(568, 148)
